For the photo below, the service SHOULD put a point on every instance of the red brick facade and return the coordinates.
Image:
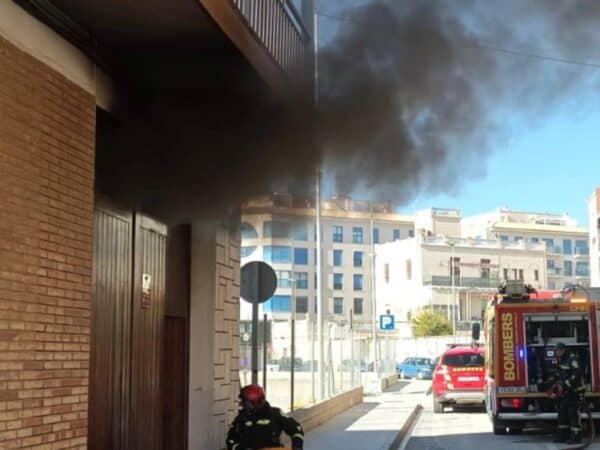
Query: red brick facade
(47, 128)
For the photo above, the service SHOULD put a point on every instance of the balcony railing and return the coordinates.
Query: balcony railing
(578, 251)
(472, 282)
(278, 26)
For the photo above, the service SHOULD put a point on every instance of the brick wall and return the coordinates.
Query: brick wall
(47, 127)
(227, 346)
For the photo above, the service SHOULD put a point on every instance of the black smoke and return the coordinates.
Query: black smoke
(413, 96)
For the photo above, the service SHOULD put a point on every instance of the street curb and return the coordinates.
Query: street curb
(406, 428)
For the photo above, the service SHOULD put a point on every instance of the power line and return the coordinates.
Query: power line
(485, 46)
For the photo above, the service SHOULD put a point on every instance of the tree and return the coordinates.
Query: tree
(430, 323)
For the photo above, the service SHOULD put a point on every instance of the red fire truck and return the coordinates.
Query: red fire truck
(521, 329)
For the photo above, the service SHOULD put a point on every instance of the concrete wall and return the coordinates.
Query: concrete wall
(214, 335)
(322, 412)
(47, 134)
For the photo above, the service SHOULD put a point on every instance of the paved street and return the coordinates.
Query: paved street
(470, 430)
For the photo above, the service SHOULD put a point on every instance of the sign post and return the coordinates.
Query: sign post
(258, 285)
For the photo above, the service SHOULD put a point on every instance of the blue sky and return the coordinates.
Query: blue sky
(552, 168)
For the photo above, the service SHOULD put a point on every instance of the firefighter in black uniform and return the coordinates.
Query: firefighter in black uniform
(569, 378)
(258, 425)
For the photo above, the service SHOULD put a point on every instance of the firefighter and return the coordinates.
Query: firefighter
(258, 425)
(570, 389)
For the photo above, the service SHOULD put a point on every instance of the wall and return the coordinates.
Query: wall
(47, 128)
(214, 335)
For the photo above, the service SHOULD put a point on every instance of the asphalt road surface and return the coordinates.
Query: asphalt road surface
(470, 429)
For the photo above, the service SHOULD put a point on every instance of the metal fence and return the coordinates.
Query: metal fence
(349, 362)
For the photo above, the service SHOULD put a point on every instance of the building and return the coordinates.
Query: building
(280, 229)
(111, 284)
(566, 243)
(454, 264)
(594, 230)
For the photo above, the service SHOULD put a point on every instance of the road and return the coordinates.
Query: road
(470, 430)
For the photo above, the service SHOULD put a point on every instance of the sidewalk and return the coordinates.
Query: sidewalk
(372, 425)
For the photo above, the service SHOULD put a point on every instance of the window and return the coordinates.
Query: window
(337, 258)
(274, 229)
(338, 233)
(536, 275)
(301, 256)
(567, 246)
(300, 232)
(503, 238)
(277, 254)
(248, 231)
(357, 235)
(485, 269)
(338, 281)
(278, 304)
(358, 282)
(338, 305)
(518, 238)
(375, 235)
(455, 266)
(409, 269)
(568, 268)
(411, 233)
(247, 251)
(515, 274)
(301, 280)
(396, 235)
(386, 272)
(521, 275)
(505, 274)
(284, 278)
(358, 306)
(582, 269)
(581, 247)
(549, 243)
(358, 259)
(534, 240)
(302, 305)
(550, 264)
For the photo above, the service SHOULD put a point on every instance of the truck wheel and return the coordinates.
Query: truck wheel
(438, 407)
(499, 428)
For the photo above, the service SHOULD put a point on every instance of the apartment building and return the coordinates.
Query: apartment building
(594, 233)
(567, 249)
(452, 265)
(280, 229)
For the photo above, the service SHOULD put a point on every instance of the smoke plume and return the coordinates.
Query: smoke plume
(413, 96)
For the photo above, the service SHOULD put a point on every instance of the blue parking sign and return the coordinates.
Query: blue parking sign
(387, 322)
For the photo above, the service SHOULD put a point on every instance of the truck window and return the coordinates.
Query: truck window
(464, 360)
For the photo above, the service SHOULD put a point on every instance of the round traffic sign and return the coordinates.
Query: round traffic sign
(258, 282)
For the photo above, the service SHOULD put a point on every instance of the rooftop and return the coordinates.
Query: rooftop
(540, 227)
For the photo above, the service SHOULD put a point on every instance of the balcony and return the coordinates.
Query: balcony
(470, 282)
(278, 26)
(579, 251)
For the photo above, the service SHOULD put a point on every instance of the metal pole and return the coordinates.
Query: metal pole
(453, 296)
(321, 360)
(255, 343)
(373, 301)
(265, 332)
(293, 344)
(352, 360)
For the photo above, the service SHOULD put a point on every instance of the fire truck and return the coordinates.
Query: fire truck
(521, 328)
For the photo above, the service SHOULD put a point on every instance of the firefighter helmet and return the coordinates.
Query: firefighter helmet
(253, 396)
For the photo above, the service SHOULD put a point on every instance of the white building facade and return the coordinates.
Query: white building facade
(453, 265)
(594, 231)
(567, 244)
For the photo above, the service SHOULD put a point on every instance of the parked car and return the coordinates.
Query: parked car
(458, 378)
(415, 367)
